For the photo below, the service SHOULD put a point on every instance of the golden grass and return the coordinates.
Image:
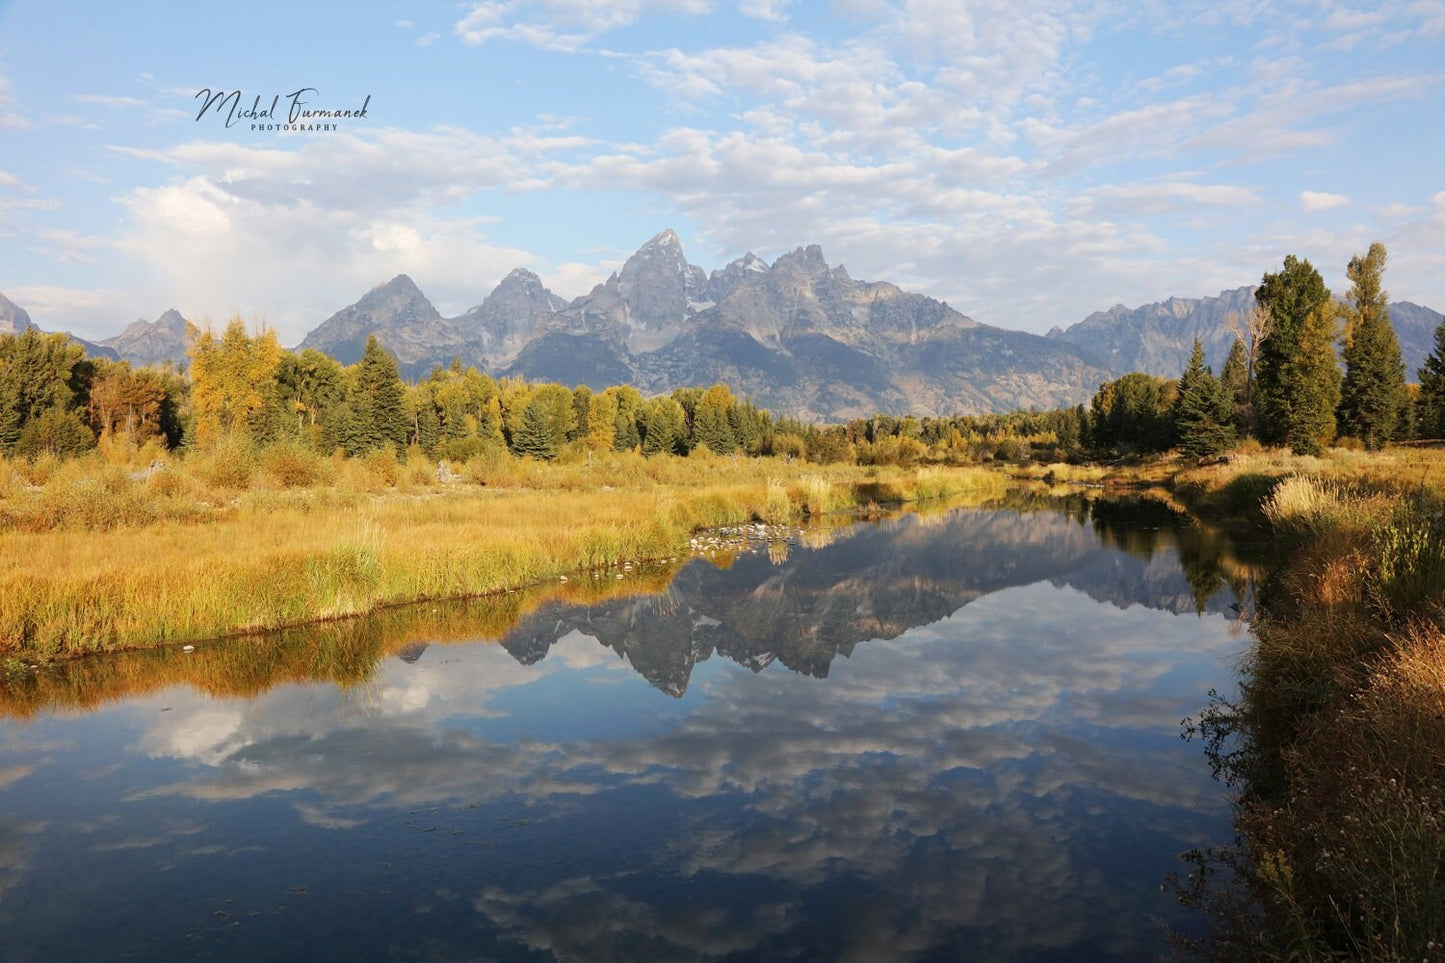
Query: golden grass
(1343, 713)
(96, 561)
(344, 651)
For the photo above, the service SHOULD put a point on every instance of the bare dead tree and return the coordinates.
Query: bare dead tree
(1252, 330)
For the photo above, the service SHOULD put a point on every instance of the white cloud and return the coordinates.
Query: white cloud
(565, 25)
(1313, 201)
(105, 100)
(1170, 196)
(764, 9)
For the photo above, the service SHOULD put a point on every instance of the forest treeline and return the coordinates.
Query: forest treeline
(1282, 384)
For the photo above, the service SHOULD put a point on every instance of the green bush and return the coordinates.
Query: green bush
(1409, 576)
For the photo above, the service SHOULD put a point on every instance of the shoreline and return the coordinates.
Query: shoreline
(272, 560)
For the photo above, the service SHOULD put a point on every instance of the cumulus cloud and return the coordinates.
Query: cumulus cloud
(1312, 201)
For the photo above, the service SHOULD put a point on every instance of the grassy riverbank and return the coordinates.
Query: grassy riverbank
(1338, 740)
(98, 557)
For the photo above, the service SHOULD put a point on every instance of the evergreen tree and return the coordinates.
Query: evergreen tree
(1430, 413)
(1373, 392)
(1131, 414)
(39, 373)
(537, 435)
(663, 425)
(625, 435)
(710, 425)
(1204, 411)
(378, 403)
(1235, 378)
(1314, 376)
(1290, 296)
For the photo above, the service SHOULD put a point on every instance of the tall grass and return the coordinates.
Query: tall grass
(99, 559)
(1342, 722)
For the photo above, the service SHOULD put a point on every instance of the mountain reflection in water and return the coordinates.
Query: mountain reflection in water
(968, 749)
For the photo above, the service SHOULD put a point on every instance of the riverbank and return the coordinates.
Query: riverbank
(1337, 742)
(95, 558)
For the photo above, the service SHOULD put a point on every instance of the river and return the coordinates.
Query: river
(927, 738)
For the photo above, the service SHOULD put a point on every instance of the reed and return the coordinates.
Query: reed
(1338, 741)
(101, 559)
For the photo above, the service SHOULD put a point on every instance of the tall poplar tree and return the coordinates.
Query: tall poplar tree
(1372, 395)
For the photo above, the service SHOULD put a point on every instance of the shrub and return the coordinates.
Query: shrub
(1409, 573)
(230, 463)
(291, 464)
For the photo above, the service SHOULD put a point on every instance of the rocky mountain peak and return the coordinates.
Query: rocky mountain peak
(510, 315)
(172, 321)
(398, 288)
(152, 342)
(13, 319)
(402, 319)
(808, 260)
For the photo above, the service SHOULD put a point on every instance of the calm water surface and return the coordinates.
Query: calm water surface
(953, 737)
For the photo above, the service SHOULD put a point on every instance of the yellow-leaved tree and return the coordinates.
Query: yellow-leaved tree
(233, 380)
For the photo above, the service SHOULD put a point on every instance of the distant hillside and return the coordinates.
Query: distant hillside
(1157, 338)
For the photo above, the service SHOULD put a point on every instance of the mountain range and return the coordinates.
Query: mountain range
(798, 336)
(1158, 337)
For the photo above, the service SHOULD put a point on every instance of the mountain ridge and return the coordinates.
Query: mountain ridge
(798, 336)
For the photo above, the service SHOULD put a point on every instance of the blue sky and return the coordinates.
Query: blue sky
(1028, 162)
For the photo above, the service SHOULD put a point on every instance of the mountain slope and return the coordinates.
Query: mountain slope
(403, 320)
(798, 336)
(1157, 338)
(13, 319)
(153, 342)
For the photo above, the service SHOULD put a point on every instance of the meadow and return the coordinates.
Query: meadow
(99, 554)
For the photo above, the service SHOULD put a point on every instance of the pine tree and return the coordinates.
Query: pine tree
(1314, 377)
(1290, 296)
(378, 403)
(663, 424)
(1204, 411)
(1235, 378)
(711, 429)
(1373, 391)
(1430, 415)
(537, 435)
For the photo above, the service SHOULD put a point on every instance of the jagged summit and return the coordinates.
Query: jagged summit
(153, 342)
(404, 321)
(798, 336)
(13, 318)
